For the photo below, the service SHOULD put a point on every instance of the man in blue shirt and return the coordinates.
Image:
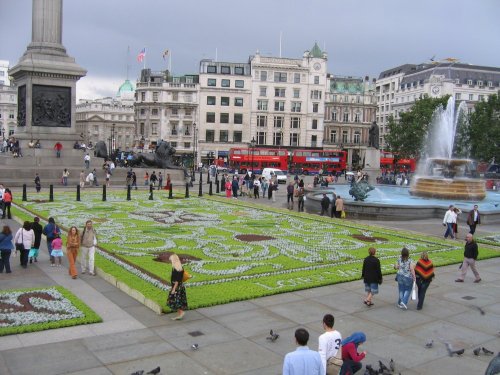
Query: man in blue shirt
(303, 361)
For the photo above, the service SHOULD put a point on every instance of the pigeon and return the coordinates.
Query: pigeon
(392, 365)
(370, 371)
(273, 336)
(476, 351)
(479, 309)
(451, 351)
(154, 371)
(486, 351)
(429, 344)
(195, 346)
(383, 368)
(494, 366)
(140, 372)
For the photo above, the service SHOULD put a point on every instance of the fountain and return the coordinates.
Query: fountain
(440, 175)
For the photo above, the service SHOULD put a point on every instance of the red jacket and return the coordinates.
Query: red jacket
(349, 352)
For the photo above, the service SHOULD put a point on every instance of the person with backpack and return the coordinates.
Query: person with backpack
(50, 231)
(7, 202)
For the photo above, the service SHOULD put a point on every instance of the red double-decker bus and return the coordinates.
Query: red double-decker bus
(256, 159)
(311, 161)
(390, 162)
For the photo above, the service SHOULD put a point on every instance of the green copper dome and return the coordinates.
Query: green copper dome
(316, 51)
(125, 87)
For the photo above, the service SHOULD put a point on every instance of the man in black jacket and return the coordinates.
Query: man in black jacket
(470, 256)
(325, 203)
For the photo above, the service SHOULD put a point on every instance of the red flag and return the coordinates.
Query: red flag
(141, 55)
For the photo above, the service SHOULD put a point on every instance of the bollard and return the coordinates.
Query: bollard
(200, 192)
(170, 196)
(217, 187)
(201, 176)
(187, 190)
(151, 192)
(223, 184)
(210, 189)
(104, 193)
(25, 196)
(51, 193)
(78, 193)
(129, 189)
(208, 175)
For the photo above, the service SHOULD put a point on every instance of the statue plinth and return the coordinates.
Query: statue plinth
(372, 164)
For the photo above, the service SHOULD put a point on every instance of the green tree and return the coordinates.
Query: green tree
(407, 135)
(485, 130)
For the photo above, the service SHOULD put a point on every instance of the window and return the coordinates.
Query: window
(295, 122)
(279, 77)
(155, 96)
(278, 138)
(279, 105)
(263, 91)
(224, 101)
(296, 93)
(225, 69)
(263, 75)
(333, 136)
(186, 129)
(224, 118)
(238, 118)
(314, 140)
(154, 112)
(143, 111)
(239, 70)
(296, 106)
(316, 94)
(279, 92)
(175, 111)
(261, 138)
(316, 80)
(262, 105)
(173, 130)
(480, 97)
(143, 96)
(315, 107)
(471, 96)
(187, 112)
(480, 83)
(175, 96)
(211, 117)
(315, 124)
(278, 121)
(296, 77)
(490, 84)
(187, 145)
(458, 96)
(239, 83)
(294, 139)
(357, 136)
(174, 144)
(141, 126)
(346, 117)
(334, 98)
(212, 82)
(469, 82)
(357, 116)
(226, 83)
(344, 136)
(209, 135)
(211, 100)
(223, 136)
(262, 121)
(237, 136)
(154, 128)
(211, 69)
(238, 102)
(334, 116)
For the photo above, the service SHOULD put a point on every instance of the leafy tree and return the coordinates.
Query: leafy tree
(407, 135)
(485, 130)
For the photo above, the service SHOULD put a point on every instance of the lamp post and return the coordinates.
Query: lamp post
(193, 178)
(112, 138)
(252, 145)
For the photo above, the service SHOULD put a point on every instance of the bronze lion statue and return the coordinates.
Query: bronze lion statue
(161, 158)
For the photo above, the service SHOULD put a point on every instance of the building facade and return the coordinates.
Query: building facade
(350, 110)
(8, 110)
(108, 119)
(288, 100)
(166, 108)
(4, 73)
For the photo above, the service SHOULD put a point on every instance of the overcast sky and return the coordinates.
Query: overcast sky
(362, 37)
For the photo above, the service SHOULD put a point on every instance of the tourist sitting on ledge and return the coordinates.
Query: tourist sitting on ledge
(31, 144)
(76, 146)
(37, 144)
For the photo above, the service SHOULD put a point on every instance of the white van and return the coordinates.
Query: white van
(269, 173)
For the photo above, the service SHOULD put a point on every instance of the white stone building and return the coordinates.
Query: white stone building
(108, 119)
(350, 110)
(225, 108)
(166, 108)
(8, 110)
(4, 73)
(288, 97)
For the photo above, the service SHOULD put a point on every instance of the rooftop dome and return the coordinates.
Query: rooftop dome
(126, 87)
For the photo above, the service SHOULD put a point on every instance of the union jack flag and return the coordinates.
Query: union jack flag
(141, 55)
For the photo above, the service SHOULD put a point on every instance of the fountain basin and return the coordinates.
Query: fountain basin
(445, 188)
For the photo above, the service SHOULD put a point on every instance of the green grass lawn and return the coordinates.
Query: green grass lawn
(239, 250)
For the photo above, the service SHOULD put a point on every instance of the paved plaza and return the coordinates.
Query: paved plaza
(232, 337)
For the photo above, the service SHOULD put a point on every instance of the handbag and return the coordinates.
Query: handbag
(334, 364)
(186, 276)
(20, 246)
(414, 292)
(342, 214)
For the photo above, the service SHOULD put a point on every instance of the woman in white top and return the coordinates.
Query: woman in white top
(24, 239)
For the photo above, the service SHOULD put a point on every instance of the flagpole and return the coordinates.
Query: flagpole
(144, 60)
(170, 61)
(280, 42)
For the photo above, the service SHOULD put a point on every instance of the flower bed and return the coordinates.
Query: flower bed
(234, 250)
(31, 310)
(491, 239)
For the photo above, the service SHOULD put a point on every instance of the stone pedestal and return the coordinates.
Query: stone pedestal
(372, 164)
(46, 77)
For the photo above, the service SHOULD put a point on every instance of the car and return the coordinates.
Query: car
(268, 173)
(493, 171)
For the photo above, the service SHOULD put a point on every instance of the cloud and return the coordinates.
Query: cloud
(94, 87)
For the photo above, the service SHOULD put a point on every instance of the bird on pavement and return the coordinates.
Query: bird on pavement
(451, 351)
(392, 365)
(383, 368)
(155, 371)
(370, 371)
(429, 344)
(486, 351)
(195, 346)
(476, 351)
(273, 336)
(140, 372)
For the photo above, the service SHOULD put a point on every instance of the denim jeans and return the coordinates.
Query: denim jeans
(405, 285)
(449, 231)
(422, 286)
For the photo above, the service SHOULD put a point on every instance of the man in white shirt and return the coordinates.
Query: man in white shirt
(329, 345)
(449, 218)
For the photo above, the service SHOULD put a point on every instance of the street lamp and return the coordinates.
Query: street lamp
(194, 151)
(252, 145)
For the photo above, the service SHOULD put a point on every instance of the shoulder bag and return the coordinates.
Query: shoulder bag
(334, 364)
